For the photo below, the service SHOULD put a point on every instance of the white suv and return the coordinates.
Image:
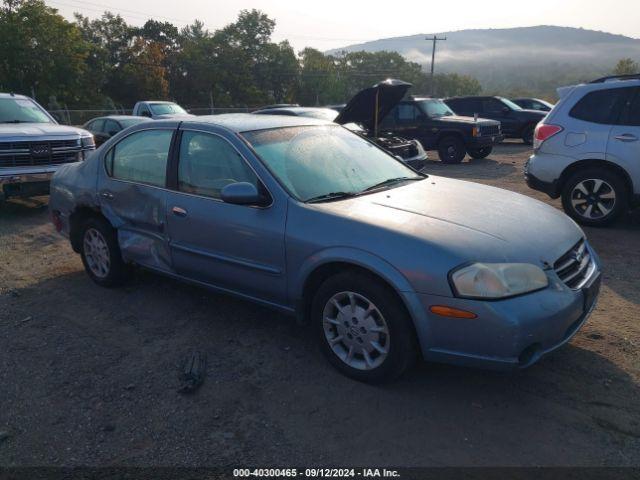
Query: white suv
(587, 150)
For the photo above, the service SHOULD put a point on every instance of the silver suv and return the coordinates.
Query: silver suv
(587, 150)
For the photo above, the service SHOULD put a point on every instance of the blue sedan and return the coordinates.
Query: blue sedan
(384, 263)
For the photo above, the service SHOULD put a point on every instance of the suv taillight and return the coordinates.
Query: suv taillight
(543, 133)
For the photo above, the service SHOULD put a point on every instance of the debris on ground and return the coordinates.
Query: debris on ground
(193, 372)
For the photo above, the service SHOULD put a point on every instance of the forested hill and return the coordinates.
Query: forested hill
(530, 59)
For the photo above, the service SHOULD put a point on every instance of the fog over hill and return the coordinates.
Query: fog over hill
(516, 60)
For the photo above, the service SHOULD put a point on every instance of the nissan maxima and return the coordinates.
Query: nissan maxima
(387, 265)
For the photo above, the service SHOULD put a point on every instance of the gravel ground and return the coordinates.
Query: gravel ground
(89, 376)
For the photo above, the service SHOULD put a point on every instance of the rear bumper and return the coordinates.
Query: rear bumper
(550, 187)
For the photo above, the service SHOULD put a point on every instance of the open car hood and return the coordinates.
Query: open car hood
(361, 108)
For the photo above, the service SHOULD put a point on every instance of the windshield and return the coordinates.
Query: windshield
(510, 104)
(436, 108)
(166, 108)
(21, 110)
(314, 161)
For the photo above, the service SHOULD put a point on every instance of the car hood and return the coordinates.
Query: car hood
(29, 130)
(467, 221)
(466, 120)
(361, 108)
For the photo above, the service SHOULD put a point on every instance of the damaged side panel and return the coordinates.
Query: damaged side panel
(138, 213)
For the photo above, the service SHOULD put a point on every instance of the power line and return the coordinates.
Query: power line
(434, 39)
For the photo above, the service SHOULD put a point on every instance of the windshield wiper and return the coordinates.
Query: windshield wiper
(391, 181)
(331, 196)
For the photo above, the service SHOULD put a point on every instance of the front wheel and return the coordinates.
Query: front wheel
(100, 253)
(480, 153)
(594, 197)
(363, 328)
(451, 150)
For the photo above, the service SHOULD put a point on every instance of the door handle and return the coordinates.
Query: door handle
(626, 137)
(180, 212)
(107, 195)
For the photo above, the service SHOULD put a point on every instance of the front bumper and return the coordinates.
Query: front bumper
(484, 141)
(16, 183)
(507, 334)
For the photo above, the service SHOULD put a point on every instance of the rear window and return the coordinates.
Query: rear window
(602, 106)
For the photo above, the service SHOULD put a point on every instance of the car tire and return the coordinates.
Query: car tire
(480, 153)
(595, 197)
(451, 150)
(528, 133)
(100, 253)
(363, 328)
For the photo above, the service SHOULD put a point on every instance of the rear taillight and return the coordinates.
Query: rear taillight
(543, 133)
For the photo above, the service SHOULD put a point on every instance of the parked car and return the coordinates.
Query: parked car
(33, 146)
(103, 128)
(359, 114)
(533, 104)
(311, 219)
(516, 122)
(157, 109)
(587, 150)
(437, 127)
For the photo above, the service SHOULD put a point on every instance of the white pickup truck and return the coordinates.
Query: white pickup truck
(159, 110)
(33, 146)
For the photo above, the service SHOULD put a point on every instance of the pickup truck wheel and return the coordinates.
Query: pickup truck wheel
(451, 150)
(595, 197)
(363, 329)
(527, 134)
(480, 153)
(100, 253)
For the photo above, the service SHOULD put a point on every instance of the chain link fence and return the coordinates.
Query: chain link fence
(80, 117)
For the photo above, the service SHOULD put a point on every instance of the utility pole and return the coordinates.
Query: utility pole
(434, 39)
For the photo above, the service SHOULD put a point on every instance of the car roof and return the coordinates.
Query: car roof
(244, 122)
(14, 95)
(124, 117)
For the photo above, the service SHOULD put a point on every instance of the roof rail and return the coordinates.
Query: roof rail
(634, 76)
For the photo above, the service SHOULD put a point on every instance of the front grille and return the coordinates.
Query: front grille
(574, 266)
(28, 154)
(490, 130)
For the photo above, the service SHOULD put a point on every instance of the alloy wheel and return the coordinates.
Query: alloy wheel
(356, 331)
(96, 252)
(593, 198)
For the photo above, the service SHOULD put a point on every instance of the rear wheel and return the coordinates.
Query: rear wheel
(363, 328)
(451, 150)
(480, 153)
(100, 253)
(527, 134)
(595, 197)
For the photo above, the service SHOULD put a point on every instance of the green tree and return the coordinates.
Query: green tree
(42, 53)
(626, 66)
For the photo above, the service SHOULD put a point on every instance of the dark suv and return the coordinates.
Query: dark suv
(516, 122)
(434, 124)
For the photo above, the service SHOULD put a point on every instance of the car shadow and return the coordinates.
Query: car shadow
(269, 395)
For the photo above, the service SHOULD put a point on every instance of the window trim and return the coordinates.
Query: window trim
(111, 149)
(174, 161)
(626, 110)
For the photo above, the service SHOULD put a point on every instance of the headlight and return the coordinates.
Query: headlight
(419, 147)
(88, 142)
(497, 280)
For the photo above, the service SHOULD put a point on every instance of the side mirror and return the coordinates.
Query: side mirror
(242, 193)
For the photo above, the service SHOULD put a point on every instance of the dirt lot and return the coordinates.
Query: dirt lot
(88, 376)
